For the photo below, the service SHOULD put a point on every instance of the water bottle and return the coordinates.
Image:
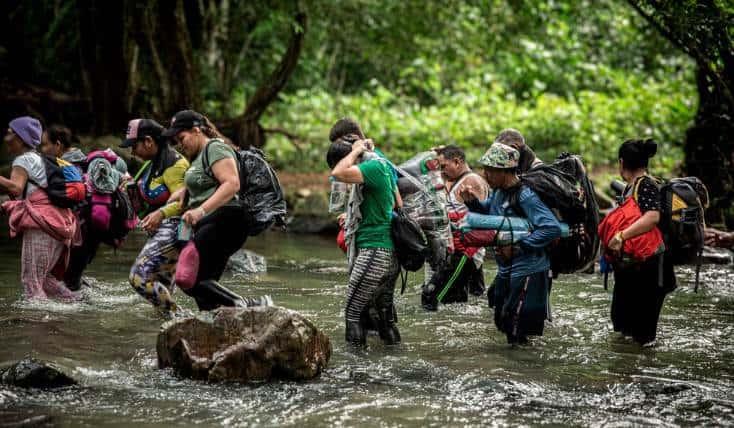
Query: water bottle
(338, 196)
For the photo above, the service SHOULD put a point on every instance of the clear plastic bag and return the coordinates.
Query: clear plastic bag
(338, 196)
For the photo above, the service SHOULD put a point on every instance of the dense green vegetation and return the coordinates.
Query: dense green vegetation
(575, 75)
(579, 76)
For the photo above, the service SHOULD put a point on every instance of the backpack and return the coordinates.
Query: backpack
(260, 191)
(109, 210)
(639, 248)
(566, 189)
(65, 186)
(411, 246)
(682, 205)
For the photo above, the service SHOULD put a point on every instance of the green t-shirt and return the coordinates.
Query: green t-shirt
(377, 206)
(199, 184)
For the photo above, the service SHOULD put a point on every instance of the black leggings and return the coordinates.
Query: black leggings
(216, 237)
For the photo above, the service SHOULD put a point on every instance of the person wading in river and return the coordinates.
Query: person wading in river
(47, 230)
(463, 273)
(640, 287)
(373, 265)
(218, 220)
(520, 289)
(161, 175)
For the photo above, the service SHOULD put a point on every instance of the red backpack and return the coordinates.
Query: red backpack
(636, 249)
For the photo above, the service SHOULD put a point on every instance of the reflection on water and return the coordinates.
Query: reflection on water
(453, 367)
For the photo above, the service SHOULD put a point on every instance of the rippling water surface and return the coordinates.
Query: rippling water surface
(453, 368)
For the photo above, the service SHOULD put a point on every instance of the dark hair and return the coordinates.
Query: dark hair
(61, 134)
(338, 150)
(635, 154)
(208, 129)
(511, 137)
(344, 126)
(452, 151)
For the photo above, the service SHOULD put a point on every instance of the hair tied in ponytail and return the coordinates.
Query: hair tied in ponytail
(650, 147)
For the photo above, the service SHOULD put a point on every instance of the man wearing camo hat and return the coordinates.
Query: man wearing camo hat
(519, 293)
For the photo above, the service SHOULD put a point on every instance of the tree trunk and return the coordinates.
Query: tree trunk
(709, 148)
(249, 131)
(106, 54)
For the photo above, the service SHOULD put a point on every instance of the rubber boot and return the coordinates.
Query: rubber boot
(428, 297)
(387, 328)
(354, 334)
(209, 295)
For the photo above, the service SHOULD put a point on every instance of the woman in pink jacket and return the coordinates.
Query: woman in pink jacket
(47, 230)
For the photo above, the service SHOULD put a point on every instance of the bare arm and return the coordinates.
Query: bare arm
(346, 171)
(15, 185)
(644, 224)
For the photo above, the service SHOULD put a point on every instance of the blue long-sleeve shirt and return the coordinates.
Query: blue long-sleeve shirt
(545, 228)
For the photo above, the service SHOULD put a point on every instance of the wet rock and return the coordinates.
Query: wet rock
(243, 345)
(660, 388)
(717, 256)
(247, 262)
(31, 373)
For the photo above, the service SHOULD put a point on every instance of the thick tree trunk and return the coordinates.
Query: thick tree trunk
(249, 131)
(709, 148)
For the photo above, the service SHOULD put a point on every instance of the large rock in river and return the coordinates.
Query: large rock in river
(244, 344)
(31, 373)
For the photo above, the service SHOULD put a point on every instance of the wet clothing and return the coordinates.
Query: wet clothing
(153, 269)
(373, 265)
(640, 288)
(453, 282)
(39, 256)
(200, 183)
(521, 305)
(377, 206)
(520, 289)
(374, 268)
(48, 233)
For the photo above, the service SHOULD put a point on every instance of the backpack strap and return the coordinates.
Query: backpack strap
(205, 160)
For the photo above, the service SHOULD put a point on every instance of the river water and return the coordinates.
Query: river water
(453, 367)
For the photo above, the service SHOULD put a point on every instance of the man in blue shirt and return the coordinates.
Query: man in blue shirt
(520, 289)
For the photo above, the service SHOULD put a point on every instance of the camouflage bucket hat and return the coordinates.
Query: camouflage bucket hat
(500, 156)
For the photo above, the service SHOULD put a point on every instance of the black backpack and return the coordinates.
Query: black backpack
(260, 191)
(682, 205)
(411, 246)
(566, 189)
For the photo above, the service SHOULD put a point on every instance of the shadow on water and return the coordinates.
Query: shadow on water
(453, 368)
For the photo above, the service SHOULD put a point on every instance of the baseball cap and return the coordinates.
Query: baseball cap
(139, 128)
(183, 120)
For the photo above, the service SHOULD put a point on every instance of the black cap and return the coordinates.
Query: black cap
(139, 128)
(183, 120)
